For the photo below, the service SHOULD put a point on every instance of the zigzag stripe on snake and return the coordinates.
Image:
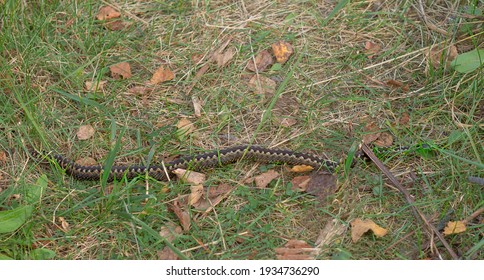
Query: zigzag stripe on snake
(195, 162)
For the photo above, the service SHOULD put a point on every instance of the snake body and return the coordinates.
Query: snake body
(194, 162)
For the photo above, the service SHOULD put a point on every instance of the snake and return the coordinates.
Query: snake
(197, 162)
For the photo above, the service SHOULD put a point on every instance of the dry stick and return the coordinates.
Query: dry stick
(408, 198)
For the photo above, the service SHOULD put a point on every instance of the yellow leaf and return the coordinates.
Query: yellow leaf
(454, 227)
(359, 227)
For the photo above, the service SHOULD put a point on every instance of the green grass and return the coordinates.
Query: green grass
(49, 49)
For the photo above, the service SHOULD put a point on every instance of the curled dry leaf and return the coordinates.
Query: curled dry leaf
(213, 196)
(371, 49)
(296, 250)
(162, 75)
(185, 127)
(262, 85)
(454, 227)
(196, 193)
(140, 90)
(438, 54)
(182, 215)
(224, 57)
(282, 51)
(94, 85)
(262, 180)
(121, 70)
(260, 62)
(359, 227)
(191, 177)
(85, 132)
(300, 183)
(107, 12)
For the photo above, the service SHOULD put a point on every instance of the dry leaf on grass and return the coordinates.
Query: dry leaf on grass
(3, 157)
(454, 227)
(170, 231)
(330, 232)
(162, 75)
(63, 224)
(438, 54)
(185, 127)
(282, 51)
(121, 70)
(85, 132)
(300, 183)
(115, 25)
(94, 85)
(371, 49)
(321, 185)
(196, 193)
(140, 90)
(404, 118)
(87, 161)
(301, 168)
(191, 177)
(384, 140)
(397, 84)
(373, 133)
(262, 180)
(223, 58)
(260, 62)
(262, 85)
(167, 254)
(213, 196)
(285, 110)
(296, 250)
(197, 106)
(107, 12)
(181, 214)
(197, 58)
(359, 227)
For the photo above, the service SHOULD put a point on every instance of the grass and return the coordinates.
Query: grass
(49, 49)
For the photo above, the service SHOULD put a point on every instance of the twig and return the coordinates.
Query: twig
(408, 198)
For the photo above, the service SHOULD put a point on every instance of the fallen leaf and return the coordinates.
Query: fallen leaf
(301, 168)
(262, 180)
(404, 119)
(371, 49)
(359, 227)
(285, 110)
(64, 224)
(191, 177)
(85, 132)
(115, 25)
(282, 51)
(438, 55)
(384, 140)
(224, 57)
(94, 85)
(167, 254)
(182, 215)
(262, 85)
(197, 58)
(196, 192)
(185, 127)
(330, 232)
(107, 12)
(300, 183)
(140, 90)
(120, 70)
(372, 133)
(197, 106)
(87, 161)
(468, 61)
(3, 157)
(162, 75)
(322, 185)
(397, 84)
(213, 196)
(454, 227)
(170, 231)
(260, 62)
(296, 250)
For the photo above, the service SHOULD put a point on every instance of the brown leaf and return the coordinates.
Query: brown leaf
(454, 227)
(373, 133)
(162, 75)
(262, 180)
(87, 161)
(3, 157)
(197, 58)
(301, 168)
(300, 183)
(182, 215)
(372, 49)
(285, 110)
(262, 85)
(107, 12)
(330, 232)
(282, 51)
(94, 85)
(384, 140)
(191, 177)
(322, 185)
(223, 58)
(397, 84)
(120, 70)
(185, 127)
(64, 224)
(197, 106)
(140, 90)
(262, 61)
(359, 227)
(115, 25)
(296, 250)
(404, 119)
(213, 196)
(170, 231)
(167, 254)
(85, 132)
(196, 193)
(438, 54)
